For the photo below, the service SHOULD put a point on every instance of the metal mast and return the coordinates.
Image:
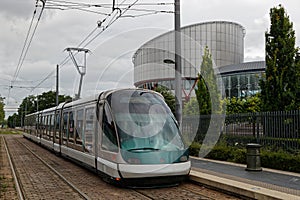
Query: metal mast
(80, 68)
(178, 80)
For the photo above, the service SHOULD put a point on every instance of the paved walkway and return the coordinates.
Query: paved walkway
(273, 180)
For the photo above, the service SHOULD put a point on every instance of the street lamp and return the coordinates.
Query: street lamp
(169, 61)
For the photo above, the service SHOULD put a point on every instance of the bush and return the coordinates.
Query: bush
(239, 156)
(221, 152)
(280, 160)
(194, 148)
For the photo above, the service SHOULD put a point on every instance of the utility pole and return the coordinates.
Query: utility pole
(178, 79)
(80, 68)
(57, 82)
(113, 5)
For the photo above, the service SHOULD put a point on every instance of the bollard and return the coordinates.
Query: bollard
(253, 157)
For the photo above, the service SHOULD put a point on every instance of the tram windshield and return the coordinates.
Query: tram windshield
(144, 122)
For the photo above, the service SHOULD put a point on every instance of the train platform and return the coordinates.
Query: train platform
(234, 178)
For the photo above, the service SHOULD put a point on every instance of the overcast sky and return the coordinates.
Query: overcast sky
(109, 64)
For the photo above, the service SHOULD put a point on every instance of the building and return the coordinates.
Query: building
(225, 41)
(241, 80)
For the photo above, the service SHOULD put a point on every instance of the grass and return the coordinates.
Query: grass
(9, 131)
(4, 187)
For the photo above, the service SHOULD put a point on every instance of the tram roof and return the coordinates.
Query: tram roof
(90, 99)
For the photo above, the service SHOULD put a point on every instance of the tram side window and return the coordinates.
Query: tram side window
(37, 125)
(79, 126)
(71, 127)
(34, 124)
(89, 129)
(44, 126)
(65, 125)
(51, 129)
(109, 139)
(48, 126)
(41, 126)
(44, 122)
(57, 125)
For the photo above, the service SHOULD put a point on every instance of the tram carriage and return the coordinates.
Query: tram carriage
(129, 136)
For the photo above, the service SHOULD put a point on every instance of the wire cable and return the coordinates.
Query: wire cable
(51, 5)
(114, 17)
(26, 47)
(27, 44)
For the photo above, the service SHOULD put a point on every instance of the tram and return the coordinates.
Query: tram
(129, 136)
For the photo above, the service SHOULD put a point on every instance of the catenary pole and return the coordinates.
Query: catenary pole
(178, 80)
(57, 82)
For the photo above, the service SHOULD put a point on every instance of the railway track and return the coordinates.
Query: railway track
(43, 175)
(29, 167)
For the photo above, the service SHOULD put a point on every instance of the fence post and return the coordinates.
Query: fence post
(257, 127)
(253, 124)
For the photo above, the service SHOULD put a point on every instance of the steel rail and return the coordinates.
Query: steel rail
(17, 184)
(83, 195)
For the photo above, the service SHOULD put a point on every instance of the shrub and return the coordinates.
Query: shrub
(280, 160)
(221, 152)
(194, 148)
(239, 156)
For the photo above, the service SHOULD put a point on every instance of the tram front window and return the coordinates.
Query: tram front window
(144, 122)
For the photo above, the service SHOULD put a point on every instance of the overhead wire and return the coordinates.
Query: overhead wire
(75, 5)
(83, 41)
(51, 5)
(18, 86)
(121, 9)
(26, 46)
(108, 4)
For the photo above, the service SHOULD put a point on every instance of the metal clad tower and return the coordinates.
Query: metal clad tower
(224, 39)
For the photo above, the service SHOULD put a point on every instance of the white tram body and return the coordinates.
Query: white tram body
(129, 136)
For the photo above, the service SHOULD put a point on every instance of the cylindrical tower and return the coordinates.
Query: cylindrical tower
(225, 41)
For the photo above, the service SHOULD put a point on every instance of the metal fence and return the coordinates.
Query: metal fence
(274, 130)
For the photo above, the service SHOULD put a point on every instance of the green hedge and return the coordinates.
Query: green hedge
(290, 145)
(280, 160)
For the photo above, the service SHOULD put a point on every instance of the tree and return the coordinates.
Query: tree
(279, 89)
(48, 100)
(14, 121)
(168, 96)
(297, 60)
(207, 92)
(2, 113)
(249, 104)
(191, 107)
(33, 104)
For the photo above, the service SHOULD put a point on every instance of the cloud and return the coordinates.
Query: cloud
(16, 8)
(110, 64)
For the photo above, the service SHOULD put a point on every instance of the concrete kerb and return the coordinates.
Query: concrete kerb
(239, 188)
(245, 166)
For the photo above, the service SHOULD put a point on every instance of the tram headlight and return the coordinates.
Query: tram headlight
(134, 161)
(183, 158)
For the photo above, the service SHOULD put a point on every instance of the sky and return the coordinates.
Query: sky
(112, 43)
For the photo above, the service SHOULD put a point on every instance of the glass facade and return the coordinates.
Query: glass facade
(242, 80)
